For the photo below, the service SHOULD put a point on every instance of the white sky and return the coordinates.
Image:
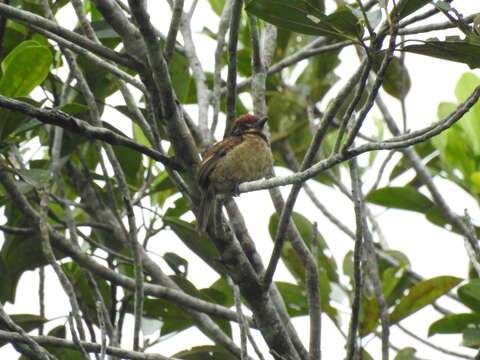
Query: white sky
(431, 250)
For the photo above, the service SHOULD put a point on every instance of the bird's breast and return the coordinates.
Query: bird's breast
(250, 160)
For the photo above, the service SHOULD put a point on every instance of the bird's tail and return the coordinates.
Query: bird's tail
(206, 205)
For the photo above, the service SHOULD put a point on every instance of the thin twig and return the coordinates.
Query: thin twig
(241, 319)
(173, 29)
(357, 258)
(433, 346)
(88, 346)
(472, 255)
(217, 77)
(313, 293)
(231, 97)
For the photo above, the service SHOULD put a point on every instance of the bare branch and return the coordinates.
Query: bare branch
(88, 346)
(59, 118)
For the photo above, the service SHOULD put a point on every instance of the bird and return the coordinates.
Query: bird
(244, 155)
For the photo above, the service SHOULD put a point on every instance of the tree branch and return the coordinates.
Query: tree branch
(59, 118)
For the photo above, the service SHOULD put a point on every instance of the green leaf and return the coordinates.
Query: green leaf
(391, 277)
(206, 352)
(369, 315)
(295, 298)
(407, 353)
(409, 6)
(469, 122)
(471, 337)
(305, 228)
(219, 292)
(178, 264)
(453, 50)
(181, 78)
(12, 122)
(174, 318)
(469, 294)
(35, 177)
(104, 31)
(306, 17)
(60, 331)
(422, 294)
(195, 241)
(25, 68)
(217, 6)
(397, 80)
(327, 269)
(27, 322)
(406, 198)
(85, 294)
(131, 164)
(454, 323)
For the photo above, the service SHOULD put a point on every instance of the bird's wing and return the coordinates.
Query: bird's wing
(212, 155)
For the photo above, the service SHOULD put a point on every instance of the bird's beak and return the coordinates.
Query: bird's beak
(260, 123)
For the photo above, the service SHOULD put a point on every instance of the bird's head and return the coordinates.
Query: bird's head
(248, 124)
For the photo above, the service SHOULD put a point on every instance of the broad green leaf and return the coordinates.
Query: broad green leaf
(178, 264)
(407, 353)
(162, 189)
(469, 122)
(35, 177)
(181, 78)
(305, 228)
(453, 50)
(12, 122)
(101, 82)
(131, 163)
(391, 277)
(60, 331)
(397, 80)
(180, 207)
(220, 292)
(14, 34)
(364, 355)
(217, 6)
(475, 179)
(469, 294)
(306, 18)
(105, 33)
(476, 24)
(422, 294)
(195, 241)
(465, 86)
(407, 198)
(295, 298)
(27, 322)
(327, 269)
(173, 318)
(85, 294)
(206, 352)
(369, 315)
(409, 6)
(454, 323)
(25, 68)
(74, 108)
(471, 337)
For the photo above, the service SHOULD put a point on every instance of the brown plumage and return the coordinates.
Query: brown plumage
(243, 156)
